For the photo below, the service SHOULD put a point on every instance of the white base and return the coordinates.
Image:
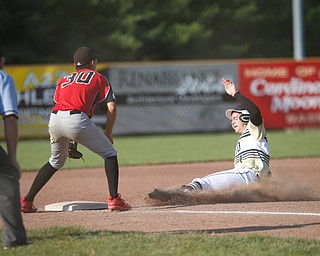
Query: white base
(75, 206)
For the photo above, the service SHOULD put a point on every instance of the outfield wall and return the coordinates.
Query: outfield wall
(180, 97)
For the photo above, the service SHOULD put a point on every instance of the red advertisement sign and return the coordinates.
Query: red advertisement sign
(287, 93)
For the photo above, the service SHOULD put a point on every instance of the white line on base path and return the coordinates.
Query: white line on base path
(240, 212)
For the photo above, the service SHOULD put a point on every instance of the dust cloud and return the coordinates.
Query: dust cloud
(267, 191)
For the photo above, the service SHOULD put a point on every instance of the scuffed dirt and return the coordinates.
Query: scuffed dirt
(287, 205)
(267, 191)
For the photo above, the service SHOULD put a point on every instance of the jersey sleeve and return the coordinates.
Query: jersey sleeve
(56, 94)
(8, 101)
(254, 111)
(106, 92)
(111, 96)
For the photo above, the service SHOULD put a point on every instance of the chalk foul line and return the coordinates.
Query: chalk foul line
(238, 212)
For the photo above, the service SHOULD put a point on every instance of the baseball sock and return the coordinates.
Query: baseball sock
(41, 179)
(112, 172)
(193, 186)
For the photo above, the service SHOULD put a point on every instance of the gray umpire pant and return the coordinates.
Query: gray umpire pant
(13, 233)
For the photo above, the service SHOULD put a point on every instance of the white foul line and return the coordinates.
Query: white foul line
(242, 212)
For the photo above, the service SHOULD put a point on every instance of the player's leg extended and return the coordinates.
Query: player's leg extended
(224, 180)
(59, 151)
(94, 139)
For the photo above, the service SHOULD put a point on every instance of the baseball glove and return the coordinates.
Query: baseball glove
(73, 152)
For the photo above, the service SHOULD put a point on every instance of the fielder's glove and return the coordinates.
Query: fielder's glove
(73, 152)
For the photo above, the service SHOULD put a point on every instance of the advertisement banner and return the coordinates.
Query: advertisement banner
(171, 98)
(170, 84)
(288, 93)
(151, 97)
(179, 97)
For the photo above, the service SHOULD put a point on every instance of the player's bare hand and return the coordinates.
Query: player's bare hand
(229, 86)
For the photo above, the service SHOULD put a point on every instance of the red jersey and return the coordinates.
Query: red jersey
(82, 90)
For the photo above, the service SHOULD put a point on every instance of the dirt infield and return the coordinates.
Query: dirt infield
(288, 205)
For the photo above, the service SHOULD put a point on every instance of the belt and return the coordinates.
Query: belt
(72, 112)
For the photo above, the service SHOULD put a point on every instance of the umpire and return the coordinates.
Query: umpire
(14, 233)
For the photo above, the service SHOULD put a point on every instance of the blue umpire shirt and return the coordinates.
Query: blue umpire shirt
(8, 95)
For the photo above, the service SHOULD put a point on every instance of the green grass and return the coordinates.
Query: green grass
(295, 143)
(139, 150)
(182, 148)
(79, 241)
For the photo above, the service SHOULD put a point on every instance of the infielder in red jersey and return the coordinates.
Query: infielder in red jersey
(76, 98)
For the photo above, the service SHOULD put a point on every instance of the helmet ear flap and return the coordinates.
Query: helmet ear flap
(244, 118)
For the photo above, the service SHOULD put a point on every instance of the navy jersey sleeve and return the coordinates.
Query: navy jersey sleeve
(255, 114)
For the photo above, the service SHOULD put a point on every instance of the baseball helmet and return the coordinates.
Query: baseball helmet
(244, 114)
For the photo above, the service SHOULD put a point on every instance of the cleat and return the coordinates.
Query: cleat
(27, 206)
(162, 195)
(118, 204)
(168, 195)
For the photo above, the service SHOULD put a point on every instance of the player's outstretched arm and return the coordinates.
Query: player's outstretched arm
(255, 114)
(229, 86)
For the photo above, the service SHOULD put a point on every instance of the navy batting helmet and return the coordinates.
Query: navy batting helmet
(244, 114)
